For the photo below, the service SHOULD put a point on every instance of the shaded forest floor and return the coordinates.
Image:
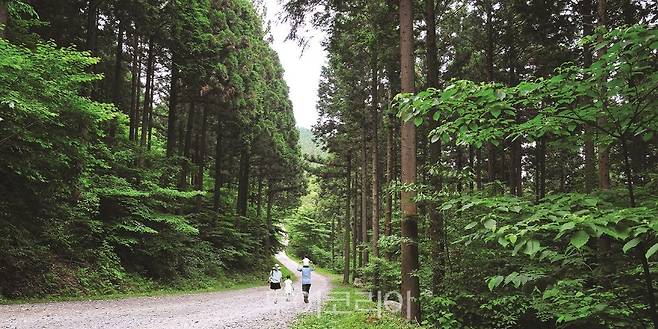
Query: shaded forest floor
(141, 287)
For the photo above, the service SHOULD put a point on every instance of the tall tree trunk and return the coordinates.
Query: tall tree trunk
(268, 215)
(150, 123)
(388, 225)
(4, 19)
(243, 181)
(172, 118)
(650, 294)
(588, 148)
(201, 149)
(218, 164)
(604, 155)
(92, 38)
(364, 193)
(135, 88)
(147, 93)
(374, 89)
(409, 225)
(489, 72)
(346, 224)
(187, 152)
(355, 223)
(259, 196)
(116, 83)
(436, 218)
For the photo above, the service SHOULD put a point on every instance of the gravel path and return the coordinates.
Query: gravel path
(246, 308)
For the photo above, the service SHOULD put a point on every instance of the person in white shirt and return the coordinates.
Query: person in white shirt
(288, 288)
(275, 282)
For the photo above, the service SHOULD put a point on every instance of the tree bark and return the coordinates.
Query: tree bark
(92, 38)
(364, 194)
(268, 215)
(260, 196)
(355, 223)
(346, 224)
(243, 181)
(172, 118)
(375, 168)
(187, 151)
(116, 83)
(201, 150)
(388, 229)
(218, 164)
(150, 123)
(436, 218)
(409, 225)
(4, 19)
(135, 88)
(147, 94)
(588, 147)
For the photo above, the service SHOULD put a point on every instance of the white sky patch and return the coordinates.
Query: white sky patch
(302, 66)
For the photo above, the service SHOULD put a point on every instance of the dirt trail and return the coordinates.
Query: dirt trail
(245, 308)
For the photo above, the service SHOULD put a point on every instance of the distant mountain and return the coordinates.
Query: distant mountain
(307, 143)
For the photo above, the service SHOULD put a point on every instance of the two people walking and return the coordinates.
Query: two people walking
(276, 278)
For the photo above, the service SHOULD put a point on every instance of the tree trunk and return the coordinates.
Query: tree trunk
(187, 151)
(201, 150)
(92, 38)
(243, 181)
(436, 218)
(355, 224)
(172, 118)
(218, 165)
(259, 196)
(150, 124)
(588, 147)
(346, 224)
(4, 19)
(410, 286)
(116, 83)
(135, 88)
(268, 216)
(648, 279)
(388, 228)
(147, 94)
(364, 194)
(375, 169)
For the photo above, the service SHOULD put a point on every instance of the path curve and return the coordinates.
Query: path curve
(245, 308)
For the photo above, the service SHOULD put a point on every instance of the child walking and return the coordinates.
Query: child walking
(306, 277)
(275, 282)
(288, 288)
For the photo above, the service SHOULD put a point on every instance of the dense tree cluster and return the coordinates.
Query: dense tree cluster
(140, 140)
(534, 140)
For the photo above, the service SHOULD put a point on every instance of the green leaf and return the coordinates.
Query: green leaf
(418, 121)
(437, 115)
(631, 244)
(579, 239)
(516, 209)
(567, 226)
(490, 224)
(651, 251)
(470, 225)
(495, 282)
(532, 247)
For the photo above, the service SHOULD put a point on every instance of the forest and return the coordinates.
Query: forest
(486, 163)
(144, 144)
(520, 189)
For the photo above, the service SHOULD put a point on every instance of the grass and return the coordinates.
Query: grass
(140, 287)
(349, 307)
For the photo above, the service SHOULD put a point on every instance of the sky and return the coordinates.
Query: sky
(302, 66)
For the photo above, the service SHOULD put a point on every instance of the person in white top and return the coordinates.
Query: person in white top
(288, 288)
(275, 282)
